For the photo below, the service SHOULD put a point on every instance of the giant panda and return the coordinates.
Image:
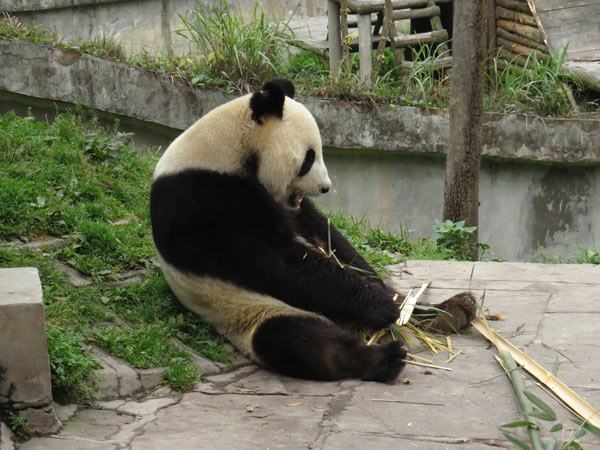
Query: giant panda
(242, 245)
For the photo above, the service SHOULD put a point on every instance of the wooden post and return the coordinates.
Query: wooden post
(461, 190)
(335, 41)
(365, 47)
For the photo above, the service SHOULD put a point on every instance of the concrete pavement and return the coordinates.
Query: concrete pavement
(551, 312)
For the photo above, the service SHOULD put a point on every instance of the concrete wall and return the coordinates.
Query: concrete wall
(137, 24)
(524, 208)
(540, 181)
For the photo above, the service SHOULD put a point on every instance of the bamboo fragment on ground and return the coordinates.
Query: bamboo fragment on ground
(582, 408)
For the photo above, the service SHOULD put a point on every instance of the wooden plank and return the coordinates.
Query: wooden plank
(369, 6)
(509, 14)
(524, 30)
(515, 5)
(365, 47)
(335, 39)
(416, 13)
(410, 40)
(521, 49)
(501, 32)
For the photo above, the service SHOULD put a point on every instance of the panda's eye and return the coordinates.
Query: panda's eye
(309, 159)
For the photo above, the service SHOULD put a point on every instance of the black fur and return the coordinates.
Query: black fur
(269, 101)
(251, 165)
(310, 348)
(230, 227)
(308, 162)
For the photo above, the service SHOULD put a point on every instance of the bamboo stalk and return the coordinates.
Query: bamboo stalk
(583, 409)
(509, 14)
(527, 31)
(408, 306)
(521, 40)
(521, 49)
(514, 4)
(517, 381)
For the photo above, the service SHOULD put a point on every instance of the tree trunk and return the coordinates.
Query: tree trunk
(461, 191)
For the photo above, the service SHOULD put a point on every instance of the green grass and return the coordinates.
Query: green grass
(88, 185)
(541, 86)
(584, 256)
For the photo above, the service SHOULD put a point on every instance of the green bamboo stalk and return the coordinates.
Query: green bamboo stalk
(517, 381)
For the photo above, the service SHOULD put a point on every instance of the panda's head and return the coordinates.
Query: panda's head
(287, 144)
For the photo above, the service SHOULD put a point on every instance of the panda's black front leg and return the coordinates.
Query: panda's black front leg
(305, 278)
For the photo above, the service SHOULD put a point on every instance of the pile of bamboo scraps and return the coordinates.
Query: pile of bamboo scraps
(406, 329)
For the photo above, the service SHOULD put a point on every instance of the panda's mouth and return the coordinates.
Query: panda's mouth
(295, 199)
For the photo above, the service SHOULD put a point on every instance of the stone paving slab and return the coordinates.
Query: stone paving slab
(551, 312)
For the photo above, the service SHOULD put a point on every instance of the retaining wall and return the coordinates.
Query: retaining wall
(540, 180)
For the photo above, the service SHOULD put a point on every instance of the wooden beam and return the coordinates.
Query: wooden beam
(365, 47)
(524, 30)
(419, 13)
(521, 49)
(335, 40)
(509, 14)
(515, 5)
(521, 40)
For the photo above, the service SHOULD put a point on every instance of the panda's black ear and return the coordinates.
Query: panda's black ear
(269, 101)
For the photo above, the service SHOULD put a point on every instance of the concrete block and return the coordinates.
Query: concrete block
(25, 369)
(23, 349)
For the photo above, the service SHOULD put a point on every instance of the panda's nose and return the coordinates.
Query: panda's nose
(324, 190)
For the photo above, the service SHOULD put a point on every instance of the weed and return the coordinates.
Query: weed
(17, 424)
(246, 53)
(455, 237)
(585, 256)
(71, 366)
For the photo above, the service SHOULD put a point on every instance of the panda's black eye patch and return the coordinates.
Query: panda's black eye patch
(309, 159)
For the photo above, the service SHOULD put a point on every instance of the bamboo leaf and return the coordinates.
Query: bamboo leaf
(580, 433)
(518, 442)
(556, 427)
(548, 412)
(587, 426)
(520, 423)
(543, 416)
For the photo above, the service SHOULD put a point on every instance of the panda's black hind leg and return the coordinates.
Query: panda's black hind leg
(312, 348)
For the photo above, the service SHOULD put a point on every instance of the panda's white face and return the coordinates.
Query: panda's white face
(291, 156)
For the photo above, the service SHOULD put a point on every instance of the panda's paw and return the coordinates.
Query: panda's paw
(384, 362)
(459, 312)
(382, 314)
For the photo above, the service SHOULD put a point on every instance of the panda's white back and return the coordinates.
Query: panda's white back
(214, 142)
